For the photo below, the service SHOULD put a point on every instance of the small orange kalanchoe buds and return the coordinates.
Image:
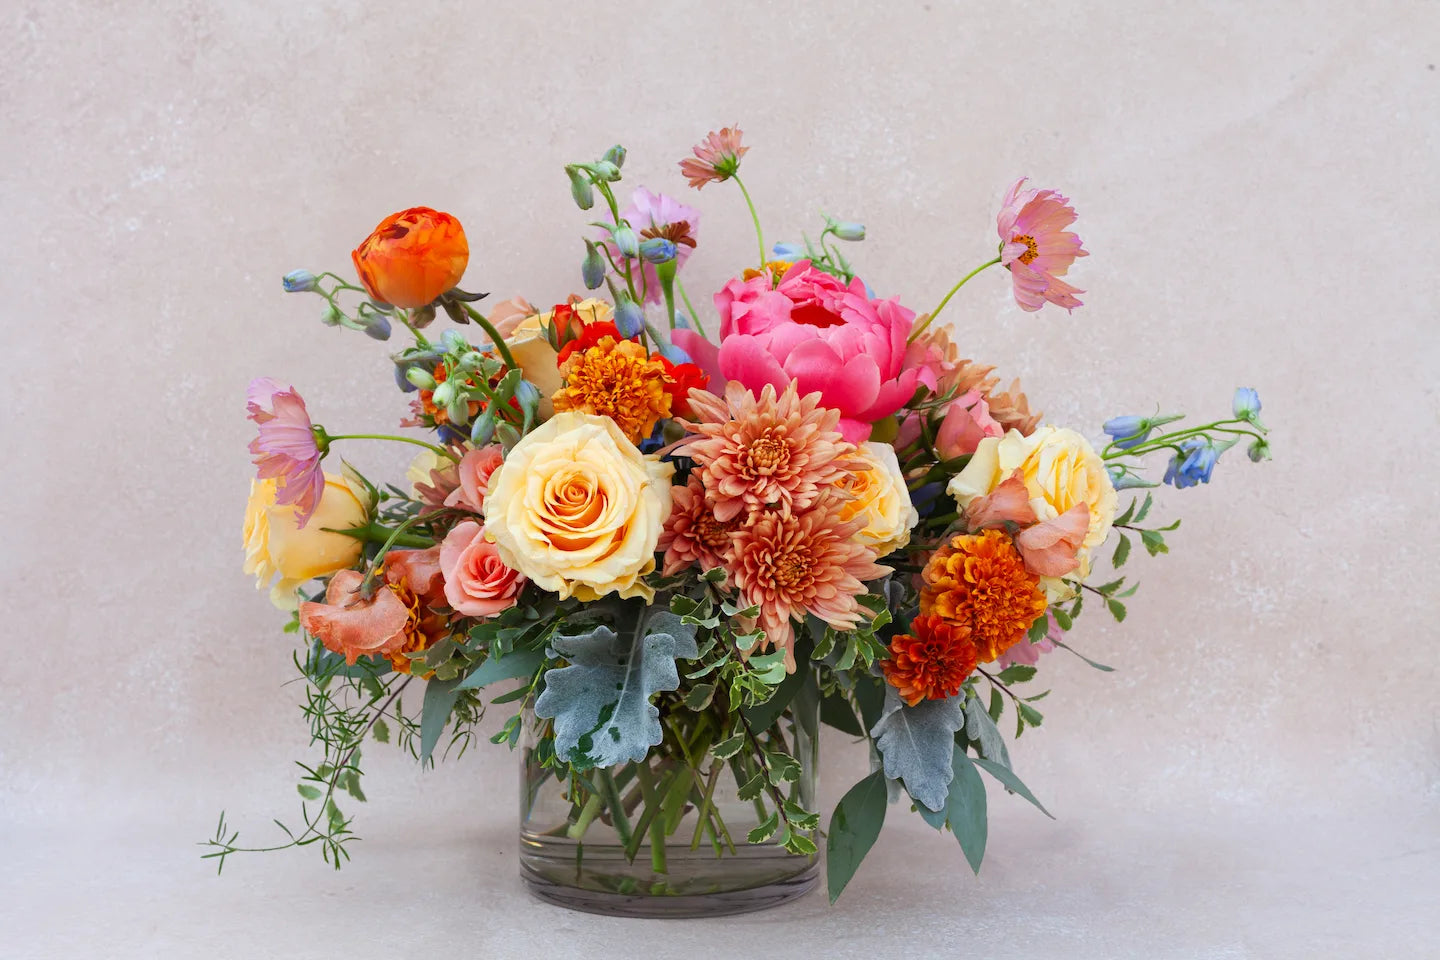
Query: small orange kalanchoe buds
(412, 257)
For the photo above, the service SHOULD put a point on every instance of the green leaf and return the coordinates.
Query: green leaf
(966, 811)
(800, 845)
(700, 696)
(751, 788)
(520, 663)
(836, 711)
(1154, 542)
(1097, 665)
(854, 828)
(1117, 610)
(1145, 509)
(783, 768)
(381, 731)
(916, 744)
(981, 730)
(870, 697)
(1039, 629)
(1016, 673)
(308, 792)
(439, 699)
(1065, 621)
(726, 749)
(765, 830)
(1129, 512)
(761, 715)
(601, 702)
(1030, 715)
(1012, 783)
(1122, 552)
(1105, 589)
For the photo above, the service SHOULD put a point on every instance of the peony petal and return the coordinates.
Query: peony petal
(703, 353)
(744, 359)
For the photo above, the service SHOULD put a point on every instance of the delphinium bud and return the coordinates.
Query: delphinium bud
(592, 268)
(298, 281)
(580, 188)
(657, 250)
(629, 318)
(615, 155)
(420, 378)
(626, 242)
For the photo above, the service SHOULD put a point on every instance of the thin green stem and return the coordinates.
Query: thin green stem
(420, 340)
(494, 336)
(754, 217)
(375, 533)
(953, 290)
(694, 317)
(438, 451)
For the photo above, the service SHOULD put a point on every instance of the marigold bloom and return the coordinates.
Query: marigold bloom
(619, 380)
(692, 535)
(286, 448)
(981, 580)
(790, 564)
(932, 662)
(412, 257)
(1037, 248)
(717, 158)
(767, 451)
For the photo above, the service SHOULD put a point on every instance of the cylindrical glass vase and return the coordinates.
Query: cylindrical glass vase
(667, 837)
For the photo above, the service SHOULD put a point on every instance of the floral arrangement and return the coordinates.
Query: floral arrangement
(671, 543)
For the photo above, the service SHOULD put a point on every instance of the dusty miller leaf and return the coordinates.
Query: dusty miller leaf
(917, 744)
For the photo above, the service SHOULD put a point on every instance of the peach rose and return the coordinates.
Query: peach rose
(475, 469)
(477, 582)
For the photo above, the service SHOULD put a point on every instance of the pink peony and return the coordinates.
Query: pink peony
(1037, 248)
(653, 215)
(967, 422)
(286, 447)
(824, 336)
(477, 582)
(474, 477)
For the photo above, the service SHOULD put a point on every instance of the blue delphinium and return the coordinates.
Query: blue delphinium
(1128, 431)
(1247, 404)
(1193, 465)
(298, 281)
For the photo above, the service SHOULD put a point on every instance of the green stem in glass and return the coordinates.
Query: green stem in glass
(953, 290)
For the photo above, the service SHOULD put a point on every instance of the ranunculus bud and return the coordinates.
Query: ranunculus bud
(626, 242)
(616, 155)
(298, 281)
(580, 188)
(657, 250)
(592, 268)
(420, 378)
(412, 257)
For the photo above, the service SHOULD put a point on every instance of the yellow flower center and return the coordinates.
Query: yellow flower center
(1032, 248)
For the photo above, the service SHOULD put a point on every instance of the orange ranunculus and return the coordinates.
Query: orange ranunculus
(412, 257)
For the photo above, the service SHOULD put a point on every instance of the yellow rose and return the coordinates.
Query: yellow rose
(276, 546)
(537, 359)
(577, 509)
(882, 499)
(1060, 469)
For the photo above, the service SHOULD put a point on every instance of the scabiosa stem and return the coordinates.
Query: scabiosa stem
(754, 217)
(953, 290)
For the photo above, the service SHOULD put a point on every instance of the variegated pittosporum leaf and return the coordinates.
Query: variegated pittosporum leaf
(917, 744)
(601, 702)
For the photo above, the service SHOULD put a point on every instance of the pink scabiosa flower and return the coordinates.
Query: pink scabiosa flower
(656, 216)
(767, 451)
(286, 448)
(824, 336)
(1037, 248)
(717, 158)
(789, 564)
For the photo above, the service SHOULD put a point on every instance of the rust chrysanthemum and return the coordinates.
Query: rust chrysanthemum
(789, 564)
(692, 535)
(769, 451)
(717, 158)
(980, 580)
(619, 380)
(931, 662)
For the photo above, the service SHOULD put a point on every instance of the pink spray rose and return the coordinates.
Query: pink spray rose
(474, 475)
(477, 582)
(823, 335)
(967, 422)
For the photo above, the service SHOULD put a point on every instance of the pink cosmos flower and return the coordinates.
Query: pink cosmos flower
(474, 477)
(286, 447)
(1029, 653)
(1037, 248)
(967, 422)
(824, 336)
(477, 582)
(653, 215)
(717, 158)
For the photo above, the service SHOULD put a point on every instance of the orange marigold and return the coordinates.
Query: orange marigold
(619, 380)
(933, 662)
(981, 580)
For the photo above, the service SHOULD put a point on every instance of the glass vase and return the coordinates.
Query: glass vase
(667, 837)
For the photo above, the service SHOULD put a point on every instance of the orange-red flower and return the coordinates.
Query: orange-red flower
(412, 257)
(981, 580)
(932, 662)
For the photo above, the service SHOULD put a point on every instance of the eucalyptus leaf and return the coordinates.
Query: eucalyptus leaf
(439, 699)
(835, 711)
(521, 663)
(965, 809)
(916, 744)
(854, 828)
(983, 732)
(1012, 783)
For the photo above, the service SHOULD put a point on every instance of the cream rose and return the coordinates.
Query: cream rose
(1060, 469)
(577, 509)
(537, 359)
(276, 546)
(881, 499)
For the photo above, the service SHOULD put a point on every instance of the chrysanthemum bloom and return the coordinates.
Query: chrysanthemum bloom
(770, 451)
(412, 257)
(656, 216)
(1037, 248)
(931, 662)
(286, 448)
(981, 580)
(619, 380)
(790, 564)
(717, 158)
(692, 534)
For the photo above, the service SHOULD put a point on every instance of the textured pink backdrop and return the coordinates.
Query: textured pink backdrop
(1257, 189)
